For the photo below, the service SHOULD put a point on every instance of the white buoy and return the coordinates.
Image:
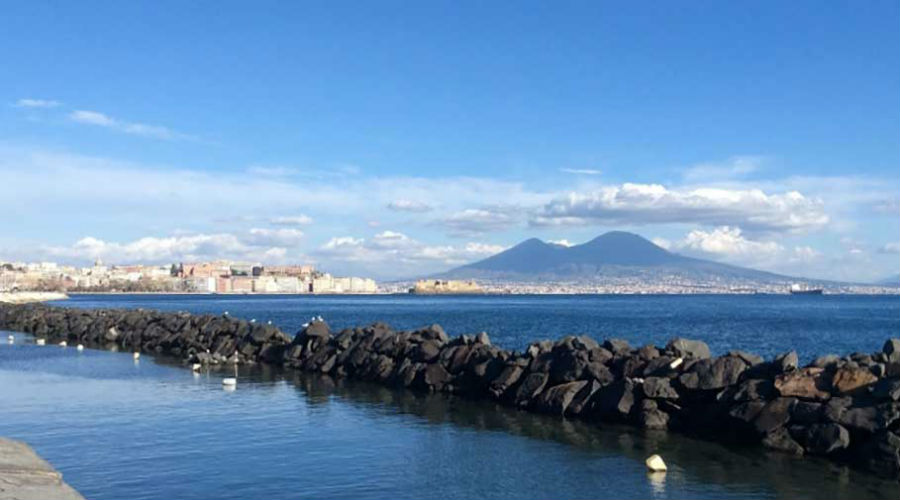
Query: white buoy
(63, 343)
(137, 355)
(11, 338)
(676, 363)
(229, 382)
(253, 320)
(655, 464)
(79, 347)
(196, 367)
(225, 313)
(40, 341)
(269, 322)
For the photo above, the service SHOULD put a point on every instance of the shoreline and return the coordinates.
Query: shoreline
(24, 474)
(842, 408)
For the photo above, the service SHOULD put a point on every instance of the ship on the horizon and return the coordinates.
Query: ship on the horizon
(798, 289)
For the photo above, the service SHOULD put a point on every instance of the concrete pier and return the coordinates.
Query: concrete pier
(26, 476)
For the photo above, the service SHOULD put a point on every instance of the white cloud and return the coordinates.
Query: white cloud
(255, 246)
(890, 248)
(291, 220)
(636, 204)
(36, 103)
(662, 243)
(728, 242)
(409, 206)
(562, 242)
(401, 254)
(580, 171)
(141, 129)
(478, 221)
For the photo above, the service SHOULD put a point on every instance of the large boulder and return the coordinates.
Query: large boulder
(713, 374)
(808, 383)
(773, 415)
(887, 388)
(786, 362)
(616, 399)
(822, 439)
(848, 380)
(688, 348)
(658, 388)
(753, 389)
(891, 350)
(556, 399)
(530, 387)
(880, 454)
(869, 418)
(780, 439)
(651, 417)
(509, 376)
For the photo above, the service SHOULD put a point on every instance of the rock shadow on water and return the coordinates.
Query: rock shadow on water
(738, 468)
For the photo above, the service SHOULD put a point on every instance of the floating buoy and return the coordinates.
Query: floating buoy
(229, 382)
(253, 320)
(269, 322)
(196, 367)
(11, 338)
(40, 341)
(63, 343)
(676, 363)
(655, 464)
(136, 355)
(79, 347)
(225, 313)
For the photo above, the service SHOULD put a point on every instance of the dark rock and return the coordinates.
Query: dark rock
(822, 439)
(774, 414)
(888, 388)
(426, 352)
(748, 390)
(435, 376)
(556, 399)
(708, 374)
(880, 454)
(582, 401)
(317, 329)
(746, 412)
(806, 412)
(651, 417)
(658, 388)
(617, 346)
(781, 440)
(616, 399)
(825, 361)
(530, 387)
(509, 376)
(869, 418)
(688, 348)
(749, 358)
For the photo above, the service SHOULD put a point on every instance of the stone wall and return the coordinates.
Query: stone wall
(844, 408)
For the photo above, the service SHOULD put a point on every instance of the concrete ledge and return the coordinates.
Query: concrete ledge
(26, 476)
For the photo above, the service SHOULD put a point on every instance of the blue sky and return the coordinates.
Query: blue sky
(404, 138)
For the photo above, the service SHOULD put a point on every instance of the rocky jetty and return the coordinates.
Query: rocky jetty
(843, 408)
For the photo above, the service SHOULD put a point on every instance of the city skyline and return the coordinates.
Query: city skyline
(377, 149)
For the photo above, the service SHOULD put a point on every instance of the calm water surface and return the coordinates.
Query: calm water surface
(150, 429)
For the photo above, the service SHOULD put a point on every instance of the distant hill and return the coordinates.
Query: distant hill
(613, 254)
(891, 281)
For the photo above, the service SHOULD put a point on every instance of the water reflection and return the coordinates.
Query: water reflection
(691, 462)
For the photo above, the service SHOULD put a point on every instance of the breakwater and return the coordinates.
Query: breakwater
(843, 408)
